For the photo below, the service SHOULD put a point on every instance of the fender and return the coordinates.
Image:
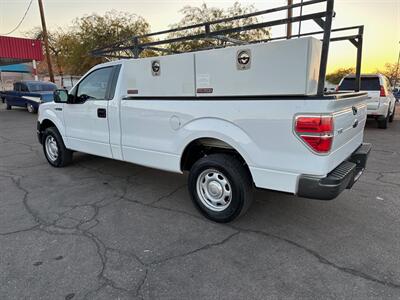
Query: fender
(46, 113)
(219, 129)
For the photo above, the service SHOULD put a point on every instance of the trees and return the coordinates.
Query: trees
(58, 40)
(194, 15)
(390, 71)
(337, 75)
(94, 31)
(70, 50)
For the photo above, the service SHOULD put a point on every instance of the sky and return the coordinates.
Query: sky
(380, 17)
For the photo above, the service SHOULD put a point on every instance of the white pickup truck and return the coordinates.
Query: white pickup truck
(235, 118)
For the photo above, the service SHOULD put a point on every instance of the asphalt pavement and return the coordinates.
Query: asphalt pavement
(104, 229)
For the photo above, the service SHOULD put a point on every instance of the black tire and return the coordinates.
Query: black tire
(64, 156)
(8, 107)
(383, 123)
(391, 119)
(31, 109)
(239, 179)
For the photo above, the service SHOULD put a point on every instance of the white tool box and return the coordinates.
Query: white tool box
(171, 75)
(289, 67)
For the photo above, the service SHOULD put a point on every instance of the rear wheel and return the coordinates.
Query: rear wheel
(384, 122)
(392, 115)
(8, 107)
(54, 149)
(221, 187)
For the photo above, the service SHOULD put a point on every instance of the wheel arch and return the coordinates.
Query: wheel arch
(46, 123)
(225, 133)
(43, 125)
(203, 146)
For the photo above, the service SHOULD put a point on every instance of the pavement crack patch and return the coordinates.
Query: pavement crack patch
(202, 248)
(322, 259)
(20, 231)
(168, 195)
(138, 291)
(381, 176)
(35, 216)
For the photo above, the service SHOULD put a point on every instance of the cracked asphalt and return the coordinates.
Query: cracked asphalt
(103, 229)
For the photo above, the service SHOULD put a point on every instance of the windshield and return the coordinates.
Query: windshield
(367, 84)
(42, 87)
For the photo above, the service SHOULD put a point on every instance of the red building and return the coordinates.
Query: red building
(14, 51)
(18, 50)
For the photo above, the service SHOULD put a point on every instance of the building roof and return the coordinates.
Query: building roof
(18, 50)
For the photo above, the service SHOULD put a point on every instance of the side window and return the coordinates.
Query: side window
(17, 87)
(24, 88)
(94, 86)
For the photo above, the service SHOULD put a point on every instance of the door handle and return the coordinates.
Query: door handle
(101, 113)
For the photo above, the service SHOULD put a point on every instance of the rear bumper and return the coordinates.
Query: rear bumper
(342, 177)
(381, 110)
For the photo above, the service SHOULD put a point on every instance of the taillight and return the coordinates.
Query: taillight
(315, 131)
(314, 124)
(383, 92)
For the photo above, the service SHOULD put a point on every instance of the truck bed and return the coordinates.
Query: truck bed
(259, 128)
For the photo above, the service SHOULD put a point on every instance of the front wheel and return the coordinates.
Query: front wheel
(54, 149)
(30, 108)
(221, 187)
(8, 107)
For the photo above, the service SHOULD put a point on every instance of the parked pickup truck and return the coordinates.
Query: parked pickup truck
(222, 116)
(29, 94)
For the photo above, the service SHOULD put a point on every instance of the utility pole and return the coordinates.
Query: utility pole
(46, 41)
(289, 24)
(397, 69)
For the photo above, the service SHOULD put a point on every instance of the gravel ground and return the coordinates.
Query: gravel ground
(103, 229)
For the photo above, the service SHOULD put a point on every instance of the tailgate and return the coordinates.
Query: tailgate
(373, 100)
(350, 115)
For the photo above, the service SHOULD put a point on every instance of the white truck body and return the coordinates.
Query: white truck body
(381, 103)
(151, 118)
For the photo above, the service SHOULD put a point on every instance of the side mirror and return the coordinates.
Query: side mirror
(61, 96)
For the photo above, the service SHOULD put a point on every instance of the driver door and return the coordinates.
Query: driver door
(86, 120)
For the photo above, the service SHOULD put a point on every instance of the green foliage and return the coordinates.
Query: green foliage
(94, 31)
(194, 15)
(336, 76)
(70, 50)
(391, 71)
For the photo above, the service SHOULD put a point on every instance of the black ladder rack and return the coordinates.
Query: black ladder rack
(138, 44)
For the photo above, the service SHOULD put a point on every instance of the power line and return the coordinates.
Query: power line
(20, 22)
